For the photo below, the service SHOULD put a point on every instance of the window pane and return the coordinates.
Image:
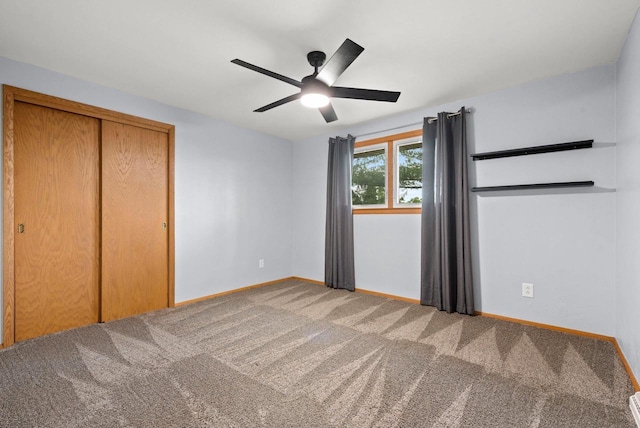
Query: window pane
(369, 178)
(409, 174)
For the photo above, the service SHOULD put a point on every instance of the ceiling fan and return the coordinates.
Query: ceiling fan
(316, 89)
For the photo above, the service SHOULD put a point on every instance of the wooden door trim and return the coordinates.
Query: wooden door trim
(12, 94)
(57, 103)
(8, 245)
(171, 298)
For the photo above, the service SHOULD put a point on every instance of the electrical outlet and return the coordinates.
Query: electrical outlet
(527, 290)
(261, 263)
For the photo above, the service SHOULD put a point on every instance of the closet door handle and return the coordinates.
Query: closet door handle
(164, 226)
(21, 228)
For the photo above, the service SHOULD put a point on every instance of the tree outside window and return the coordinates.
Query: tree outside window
(369, 177)
(409, 167)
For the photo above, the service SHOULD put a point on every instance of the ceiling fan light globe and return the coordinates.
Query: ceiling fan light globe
(314, 100)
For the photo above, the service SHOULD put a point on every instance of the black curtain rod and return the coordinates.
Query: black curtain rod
(430, 119)
(458, 113)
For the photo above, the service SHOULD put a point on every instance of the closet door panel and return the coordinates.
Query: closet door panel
(57, 239)
(134, 220)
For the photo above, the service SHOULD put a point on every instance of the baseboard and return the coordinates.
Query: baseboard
(627, 367)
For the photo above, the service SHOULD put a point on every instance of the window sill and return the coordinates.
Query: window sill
(387, 211)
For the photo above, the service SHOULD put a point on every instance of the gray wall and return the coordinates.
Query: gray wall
(233, 187)
(562, 243)
(628, 200)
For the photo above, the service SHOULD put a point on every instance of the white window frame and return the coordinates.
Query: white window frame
(396, 171)
(372, 148)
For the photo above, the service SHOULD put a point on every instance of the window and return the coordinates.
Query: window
(408, 173)
(369, 177)
(387, 175)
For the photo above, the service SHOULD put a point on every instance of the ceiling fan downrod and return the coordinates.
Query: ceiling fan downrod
(316, 59)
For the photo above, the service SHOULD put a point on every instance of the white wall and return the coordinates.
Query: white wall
(562, 243)
(628, 200)
(233, 188)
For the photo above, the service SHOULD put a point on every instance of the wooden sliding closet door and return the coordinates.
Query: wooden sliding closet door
(57, 220)
(134, 220)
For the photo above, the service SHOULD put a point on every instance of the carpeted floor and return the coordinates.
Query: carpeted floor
(301, 355)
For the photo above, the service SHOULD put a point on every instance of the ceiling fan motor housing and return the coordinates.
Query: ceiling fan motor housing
(312, 85)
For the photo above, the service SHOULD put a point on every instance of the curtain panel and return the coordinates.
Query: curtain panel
(446, 278)
(339, 270)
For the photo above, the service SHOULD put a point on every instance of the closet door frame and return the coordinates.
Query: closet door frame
(10, 96)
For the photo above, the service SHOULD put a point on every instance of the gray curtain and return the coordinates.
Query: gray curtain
(446, 281)
(339, 271)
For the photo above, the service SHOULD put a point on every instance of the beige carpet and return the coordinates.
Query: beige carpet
(301, 355)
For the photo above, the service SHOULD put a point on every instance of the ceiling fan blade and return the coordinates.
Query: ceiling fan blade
(364, 94)
(338, 63)
(278, 103)
(328, 113)
(267, 72)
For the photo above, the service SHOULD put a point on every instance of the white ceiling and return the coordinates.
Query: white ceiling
(179, 52)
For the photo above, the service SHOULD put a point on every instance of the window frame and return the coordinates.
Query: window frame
(390, 206)
(371, 148)
(396, 169)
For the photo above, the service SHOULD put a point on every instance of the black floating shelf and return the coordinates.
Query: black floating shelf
(534, 186)
(586, 144)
